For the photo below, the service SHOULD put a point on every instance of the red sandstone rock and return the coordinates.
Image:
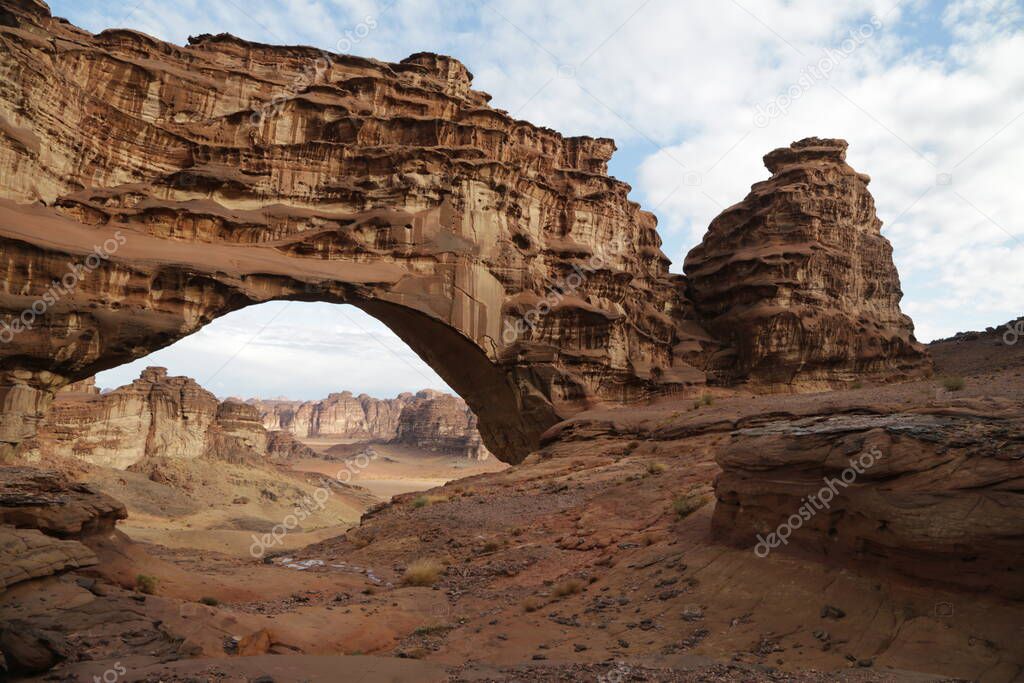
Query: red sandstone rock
(798, 282)
(394, 187)
(428, 419)
(47, 501)
(928, 493)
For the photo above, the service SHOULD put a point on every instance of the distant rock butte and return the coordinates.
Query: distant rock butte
(797, 282)
(159, 416)
(430, 420)
(172, 185)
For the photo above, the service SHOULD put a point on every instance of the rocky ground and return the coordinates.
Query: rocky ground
(596, 559)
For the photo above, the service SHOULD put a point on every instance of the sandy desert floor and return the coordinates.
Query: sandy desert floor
(395, 469)
(571, 566)
(221, 506)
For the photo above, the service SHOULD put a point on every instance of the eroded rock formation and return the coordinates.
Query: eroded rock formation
(799, 284)
(147, 188)
(933, 494)
(154, 417)
(394, 187)
(341, 415)
(43, 516)
(440, 422)
(159, 417)
(431, 420)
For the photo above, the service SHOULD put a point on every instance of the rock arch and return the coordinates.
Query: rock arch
(149, 188)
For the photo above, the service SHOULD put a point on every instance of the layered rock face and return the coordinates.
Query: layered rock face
(147, 189)
(43, 517)
(169, 185)
(428, 419)
(156, 416)
(933, 494)
(440, 422)
(341, 415)
(283, 446)
(798, 283)
(162, 417)
(239, 433)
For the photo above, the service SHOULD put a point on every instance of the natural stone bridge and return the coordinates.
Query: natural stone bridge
(147, 188)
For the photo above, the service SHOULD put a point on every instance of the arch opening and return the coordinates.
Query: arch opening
(273, 408)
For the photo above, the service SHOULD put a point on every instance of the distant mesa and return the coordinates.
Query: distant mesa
(161, 416)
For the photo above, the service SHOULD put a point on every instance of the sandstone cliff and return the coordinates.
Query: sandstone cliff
(155, 417)
(440, 422)
(148, 188)
(430, 420)
(43, 517)
(799, 284)
(932, 493)
(159, 417)
(220, 175)
(340, 414)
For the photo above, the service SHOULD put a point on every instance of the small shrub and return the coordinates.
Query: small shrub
(532, 604)
(424, 572)
(437, 629)
(857, 385)
(207, 600)
(686, 505)
(491, 546)
(953, 383)
(649, 539)
(567, 587)
(144, 583)
(655, 468)
(423, 501)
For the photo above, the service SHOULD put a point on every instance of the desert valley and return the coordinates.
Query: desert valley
(749, 471)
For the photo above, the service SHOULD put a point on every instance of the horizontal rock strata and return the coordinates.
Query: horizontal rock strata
(43, 518)
(931, 494)
(428, 419)
(221, 174)
(799, 284)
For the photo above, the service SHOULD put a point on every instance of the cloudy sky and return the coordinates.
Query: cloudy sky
(929, 94)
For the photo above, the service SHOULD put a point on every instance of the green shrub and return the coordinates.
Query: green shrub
(686, 505)
(953, 383)
(423, 501)
(567, 587)
(423, 572)
(144, 583)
